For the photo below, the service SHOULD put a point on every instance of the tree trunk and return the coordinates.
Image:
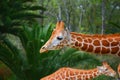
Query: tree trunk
(67, 15)
(103, 17)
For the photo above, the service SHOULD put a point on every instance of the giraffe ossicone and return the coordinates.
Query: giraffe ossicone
(67, 73)
(98, 43)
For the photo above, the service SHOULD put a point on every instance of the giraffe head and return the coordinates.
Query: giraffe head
(60, 37)
(106, 70)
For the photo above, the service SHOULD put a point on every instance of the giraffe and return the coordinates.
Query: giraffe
(67, 73)
(97, 43)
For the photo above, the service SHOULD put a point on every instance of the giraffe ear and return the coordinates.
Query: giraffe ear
(67, 30)
(68, 33)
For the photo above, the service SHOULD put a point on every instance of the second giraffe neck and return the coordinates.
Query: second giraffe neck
(102, 44)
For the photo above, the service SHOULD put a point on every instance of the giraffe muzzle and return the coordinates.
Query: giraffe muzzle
(42, 50)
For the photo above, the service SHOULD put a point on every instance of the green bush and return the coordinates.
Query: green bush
(15, 13)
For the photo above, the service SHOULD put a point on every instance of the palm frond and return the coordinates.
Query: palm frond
(12, 58)
(19, 11)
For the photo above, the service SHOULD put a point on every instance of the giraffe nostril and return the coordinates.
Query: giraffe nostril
(43, 47)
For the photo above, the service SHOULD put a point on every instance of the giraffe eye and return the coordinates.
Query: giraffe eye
(106, 69)
(59, 38)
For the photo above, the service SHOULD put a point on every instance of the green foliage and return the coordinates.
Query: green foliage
(15, 13)
(25, 64)
(11, 57)
(70, 58)
(113, 28)
(103, 77)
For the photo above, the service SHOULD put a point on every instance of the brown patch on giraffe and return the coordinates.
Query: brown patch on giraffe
(114, 50)
(79, 76)
(90, 72)
(72, 43)
(114, 43)
(72, 78)
(80, 44)
(95, 70)
(81, 73)
(90, 76)
(110, 39)
(76, 72)
(117, 39)
(85, 40)
(67, 74)
(94, 74)
(71, 73)
(86, 78)
(96, 43)
(79, 39)
(97, 50)
(90, 49)
(66, 79)
(63, 76)
(83, 76)
(76, 44)
(89, 40)
(85, 72)
(105, 43)
(73, 36)
(84, 46)
(58, 77)
(105, 50)
(74, 47)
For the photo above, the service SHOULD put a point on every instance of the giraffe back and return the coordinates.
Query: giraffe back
(67, 73)
(58, 75)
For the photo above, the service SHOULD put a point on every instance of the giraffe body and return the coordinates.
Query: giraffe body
(100, 44)
(77, 74)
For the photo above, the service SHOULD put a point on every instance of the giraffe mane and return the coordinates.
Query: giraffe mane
(97, 35)
(83, 70)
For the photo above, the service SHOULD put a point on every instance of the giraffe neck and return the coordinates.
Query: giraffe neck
(103, 44)
(73, 74)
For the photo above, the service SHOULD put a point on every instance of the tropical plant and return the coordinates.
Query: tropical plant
(25, 62)
(15, 13)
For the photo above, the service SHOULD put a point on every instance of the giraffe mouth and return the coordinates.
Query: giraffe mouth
(43, 50)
